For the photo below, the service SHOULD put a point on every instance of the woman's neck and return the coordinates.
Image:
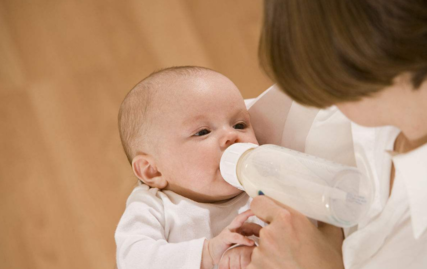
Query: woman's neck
(412, 118)
(403, 144)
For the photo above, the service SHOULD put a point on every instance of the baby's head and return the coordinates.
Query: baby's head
(174, 126)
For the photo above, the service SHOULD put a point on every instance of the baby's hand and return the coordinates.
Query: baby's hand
(238, 257)
(232, 234)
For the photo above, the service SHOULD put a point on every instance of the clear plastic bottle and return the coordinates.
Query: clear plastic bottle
(320, 189)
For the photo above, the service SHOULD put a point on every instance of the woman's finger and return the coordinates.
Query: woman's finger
(245, 259)
(257, 260)
(267, 209)
(235, 238)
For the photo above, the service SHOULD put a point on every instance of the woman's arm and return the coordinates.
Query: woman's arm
(291, 241)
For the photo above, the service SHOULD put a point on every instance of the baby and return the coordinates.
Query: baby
(174, 126)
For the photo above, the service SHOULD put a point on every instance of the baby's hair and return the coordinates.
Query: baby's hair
(135, 108)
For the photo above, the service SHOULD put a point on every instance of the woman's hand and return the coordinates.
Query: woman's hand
(292, 241)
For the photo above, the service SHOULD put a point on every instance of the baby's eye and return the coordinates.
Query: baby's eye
(202, 132)
(240, 126)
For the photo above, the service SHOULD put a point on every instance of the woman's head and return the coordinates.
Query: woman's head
(327, 52)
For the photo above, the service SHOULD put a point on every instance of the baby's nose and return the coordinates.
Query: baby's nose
(230, 138)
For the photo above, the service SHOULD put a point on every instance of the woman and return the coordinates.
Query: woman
(369, 58)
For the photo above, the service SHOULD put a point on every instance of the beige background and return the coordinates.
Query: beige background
(65, 66)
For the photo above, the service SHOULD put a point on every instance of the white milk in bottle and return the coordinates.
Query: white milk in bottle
(320, 189)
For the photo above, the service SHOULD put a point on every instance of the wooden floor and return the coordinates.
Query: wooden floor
(65, 66)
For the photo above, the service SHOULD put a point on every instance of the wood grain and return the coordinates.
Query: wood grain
(65, 67)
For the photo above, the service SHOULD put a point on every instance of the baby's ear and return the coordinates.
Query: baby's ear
(145, 169)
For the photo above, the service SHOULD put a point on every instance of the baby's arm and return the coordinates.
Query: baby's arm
(238, 257)
(214, 248)
(141, 239)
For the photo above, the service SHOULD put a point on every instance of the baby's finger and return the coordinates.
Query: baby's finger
(235, 238)
(224, 263)
(248, 229)
(235, 262)
(240, 219)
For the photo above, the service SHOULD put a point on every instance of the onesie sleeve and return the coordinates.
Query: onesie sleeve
(141, 239)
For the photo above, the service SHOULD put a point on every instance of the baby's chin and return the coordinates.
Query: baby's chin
(227, 192)
(226, 198)
(231, 192)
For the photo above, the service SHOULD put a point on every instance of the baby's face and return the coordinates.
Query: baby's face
(193, 124)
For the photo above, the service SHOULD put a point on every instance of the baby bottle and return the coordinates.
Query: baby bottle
(320, 189)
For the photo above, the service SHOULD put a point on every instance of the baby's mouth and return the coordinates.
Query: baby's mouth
(220, 175)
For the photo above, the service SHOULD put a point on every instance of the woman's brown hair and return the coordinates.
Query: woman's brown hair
(322, 52)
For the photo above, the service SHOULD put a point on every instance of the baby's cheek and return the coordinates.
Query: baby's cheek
(252, 139)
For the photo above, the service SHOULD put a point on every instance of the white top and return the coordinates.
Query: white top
(393, 235)
(161, 229)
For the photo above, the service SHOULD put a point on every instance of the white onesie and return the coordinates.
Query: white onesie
(162, 229)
